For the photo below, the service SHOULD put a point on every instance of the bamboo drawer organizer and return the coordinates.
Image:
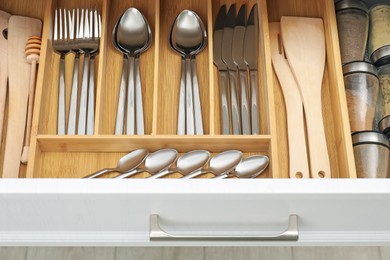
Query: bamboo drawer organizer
(54, 156)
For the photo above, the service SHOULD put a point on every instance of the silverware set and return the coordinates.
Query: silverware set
(189, 37)
(194, 163)
(131, 36)
(77, 31)
(236, 57)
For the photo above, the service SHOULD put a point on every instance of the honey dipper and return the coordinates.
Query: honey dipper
(32, 51)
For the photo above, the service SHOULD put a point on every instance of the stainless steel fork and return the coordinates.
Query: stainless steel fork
(61, 46)
(88, 41)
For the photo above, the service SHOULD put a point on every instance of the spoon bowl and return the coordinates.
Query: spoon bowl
(155, 162)
(187, 36)
(132, 32)
(187, 163)
(250, 167)
(127, 163)
(220, 164)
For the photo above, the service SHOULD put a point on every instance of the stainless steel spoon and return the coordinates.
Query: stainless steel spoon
(221, 163)
(133, 37)
(127, 163)
(156, 162)
(187, 163)
(250, 167)
(187, 39)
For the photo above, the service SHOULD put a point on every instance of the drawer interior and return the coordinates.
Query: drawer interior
(54, 156)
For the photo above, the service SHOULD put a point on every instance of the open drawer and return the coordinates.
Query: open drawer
(44, 206)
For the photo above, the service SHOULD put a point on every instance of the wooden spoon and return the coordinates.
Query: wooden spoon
(33, 49)
(20, 29)
(304, 42)
(299, 166)
(4, 17)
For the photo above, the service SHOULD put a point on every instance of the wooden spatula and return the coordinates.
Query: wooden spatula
(19, 30)
(4, 17)
(299, 166)
(304, 42)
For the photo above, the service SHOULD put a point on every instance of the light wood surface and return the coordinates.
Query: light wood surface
(298, 157)
(19, 30)
(4, 17)
(304, 41)
(53, 156)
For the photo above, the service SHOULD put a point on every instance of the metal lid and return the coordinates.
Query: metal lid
(359, 66)
(384, 125)
(370, 137)
(381, 56)
(351, 4)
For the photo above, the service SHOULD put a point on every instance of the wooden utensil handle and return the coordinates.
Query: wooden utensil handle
(318, 150)
(24, 157)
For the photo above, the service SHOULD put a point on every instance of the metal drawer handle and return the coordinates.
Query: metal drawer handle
(158, 234)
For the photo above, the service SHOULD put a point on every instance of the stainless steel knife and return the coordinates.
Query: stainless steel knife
(251, 58)
(238, 58)
(222, 69)
(227, 44)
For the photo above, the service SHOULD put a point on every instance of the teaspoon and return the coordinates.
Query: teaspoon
(158, 161)
(186, 38)
(187, 163)
(221, 163)
(250, 167)
(133, 37)
(127, 163)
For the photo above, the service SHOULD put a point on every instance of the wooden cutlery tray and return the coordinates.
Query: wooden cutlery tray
(54, 156)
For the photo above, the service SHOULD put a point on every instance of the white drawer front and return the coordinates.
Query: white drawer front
(117, 212)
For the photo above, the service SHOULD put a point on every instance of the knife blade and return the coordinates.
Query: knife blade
(222, 68)
(238, 58)
(251, 57)
(227, 45)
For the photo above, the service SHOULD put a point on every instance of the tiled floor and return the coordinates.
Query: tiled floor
(195, 253)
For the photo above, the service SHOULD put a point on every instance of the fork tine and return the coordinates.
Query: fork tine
(55, 36)
(100, 24)
(71, 24)
(90, 24)
(86, 24)
(60, 27)
(81, 30)
(96, 25)
(66, 27)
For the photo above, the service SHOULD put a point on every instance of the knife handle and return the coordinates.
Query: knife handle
(236, 118)
(245, 113)
(223, 81)
(254, 102)
(189, 100)
(181, 118)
